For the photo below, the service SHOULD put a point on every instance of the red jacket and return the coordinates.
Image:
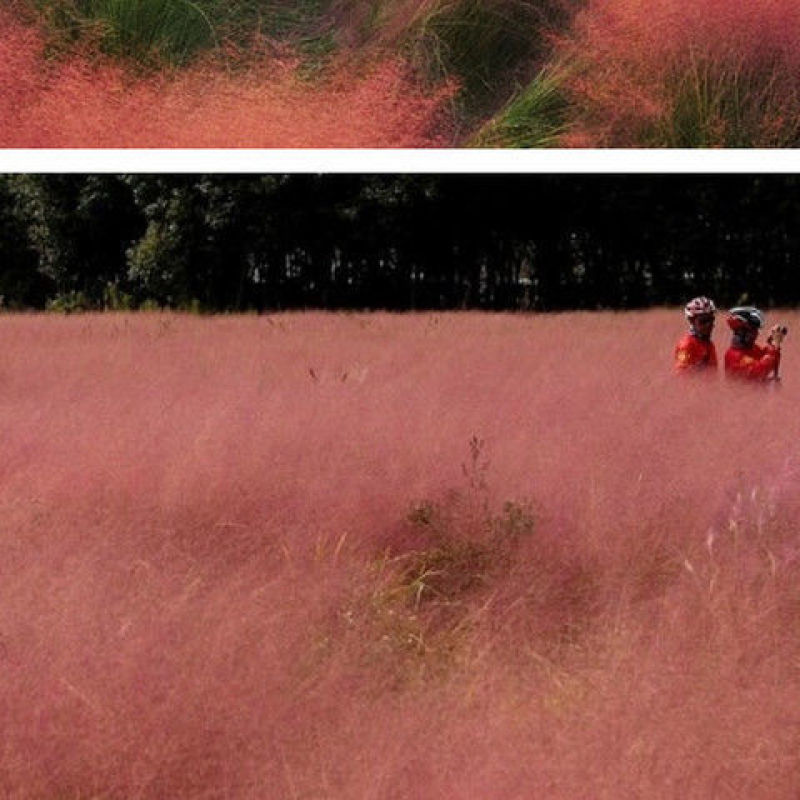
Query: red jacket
(693, 354)
(752, 363)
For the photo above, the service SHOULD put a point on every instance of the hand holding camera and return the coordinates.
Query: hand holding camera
(777, 335)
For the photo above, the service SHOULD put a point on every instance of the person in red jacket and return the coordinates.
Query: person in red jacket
(695, 352)
(745, 359)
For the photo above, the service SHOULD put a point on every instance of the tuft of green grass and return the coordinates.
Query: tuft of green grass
(712, 104)
(418, 612)
(422, 606)
(449, 570)
(143, 30)
(170, 29)
(475, 40)
(537, 116)
(304, 24)
(729, 108)
(483, 45)
(174, 31)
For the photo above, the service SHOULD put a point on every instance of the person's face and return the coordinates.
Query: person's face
(749, 336)
(703, 324)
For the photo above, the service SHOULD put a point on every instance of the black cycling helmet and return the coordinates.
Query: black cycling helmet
(745, 317)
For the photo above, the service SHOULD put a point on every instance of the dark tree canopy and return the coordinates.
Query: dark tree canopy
(398, 242)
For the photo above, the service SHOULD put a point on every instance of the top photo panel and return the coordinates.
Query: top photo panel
(399, 74)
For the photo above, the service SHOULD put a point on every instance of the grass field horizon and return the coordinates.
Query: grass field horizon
(372, 555)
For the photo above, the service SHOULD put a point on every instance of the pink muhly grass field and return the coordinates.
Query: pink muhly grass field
(642, 63)
(393, 556)
(90, 101)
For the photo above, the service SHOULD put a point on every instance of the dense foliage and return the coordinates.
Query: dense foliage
(228, 242)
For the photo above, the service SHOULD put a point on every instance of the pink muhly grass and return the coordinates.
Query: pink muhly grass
(20, 67)
(82, 101)
(269, 556)
(643, 62)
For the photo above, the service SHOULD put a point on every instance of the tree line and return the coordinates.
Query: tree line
(398, 242)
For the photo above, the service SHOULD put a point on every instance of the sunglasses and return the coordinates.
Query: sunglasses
(704, 319)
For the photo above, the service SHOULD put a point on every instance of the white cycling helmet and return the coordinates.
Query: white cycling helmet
(699, 306)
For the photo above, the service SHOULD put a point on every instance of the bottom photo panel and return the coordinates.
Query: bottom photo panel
(399, 486)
